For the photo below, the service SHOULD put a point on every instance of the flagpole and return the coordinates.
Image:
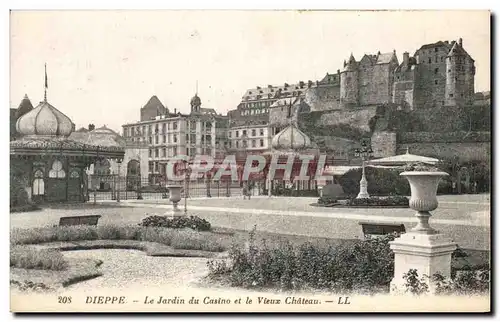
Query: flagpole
(46, 85)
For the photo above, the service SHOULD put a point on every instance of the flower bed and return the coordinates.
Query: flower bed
(372, 202)
(176, 238)
(193, 222)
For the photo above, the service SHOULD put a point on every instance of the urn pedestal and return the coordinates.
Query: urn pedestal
(422, 248)
(175, 197)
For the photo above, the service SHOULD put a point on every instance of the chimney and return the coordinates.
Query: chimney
(406, 58)
(91, 127)
(175, 111)
(460, 41)
(447, 42)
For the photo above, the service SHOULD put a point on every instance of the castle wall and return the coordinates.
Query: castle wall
(383, 144)
(359, 118)
(349, 89)
(322, 98)
(375, 85)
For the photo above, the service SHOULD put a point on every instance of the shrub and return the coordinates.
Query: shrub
(30, 258)
(367, 265)
(193, 222)
(189, 239)
(381, 202)
(327, 201)
(469, 282)
(381, 182)
(29, 286)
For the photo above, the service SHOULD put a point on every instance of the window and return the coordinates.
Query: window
(451, 95)
(164, 138)
(164, 128)
(449, 70)
(436, 70)
(75, 174)
(156, 128)
(436, 59)
(175, 138)
(149, 129)
(436, 82)
(261, 131)
(237, 144)
(253, 143)
(261, 142)
(174, 151)
(254, 132)
(150, 153)
(57, 170)
(150, 166)
(187, 138)
(156, 139)
(436, 49)
(38, 183)
(229, 133)
(237, 134)
(244, 132)
(174, 125)
(150, 140)
(430, 60)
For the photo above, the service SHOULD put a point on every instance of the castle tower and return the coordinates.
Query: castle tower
(460, 72)
(349, 90)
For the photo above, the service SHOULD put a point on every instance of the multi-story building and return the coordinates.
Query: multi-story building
(202, 132)
(256, 103)
(252, 139)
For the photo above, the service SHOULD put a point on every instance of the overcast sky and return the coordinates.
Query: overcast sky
(103, 66)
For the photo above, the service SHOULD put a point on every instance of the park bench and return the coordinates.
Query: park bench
(379, 229)
(90, 220)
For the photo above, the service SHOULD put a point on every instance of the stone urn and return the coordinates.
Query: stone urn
(175, 197)
(423, 185)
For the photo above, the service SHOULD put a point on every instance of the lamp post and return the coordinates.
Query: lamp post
(186, 176)
(118, 177)
(365, 152)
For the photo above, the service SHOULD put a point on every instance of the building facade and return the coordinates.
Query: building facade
(202, 132)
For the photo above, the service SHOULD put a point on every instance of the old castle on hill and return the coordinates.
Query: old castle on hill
(438, 74)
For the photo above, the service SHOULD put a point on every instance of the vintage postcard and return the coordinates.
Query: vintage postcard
(250, 161)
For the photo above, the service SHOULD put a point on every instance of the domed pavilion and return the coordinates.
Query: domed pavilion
(46, 163)
(292, 145)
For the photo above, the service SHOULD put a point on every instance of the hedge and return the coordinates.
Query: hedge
(381, 182)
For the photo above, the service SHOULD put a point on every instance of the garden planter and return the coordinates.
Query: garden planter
(422, 248)
(175, 197)
(423, 185)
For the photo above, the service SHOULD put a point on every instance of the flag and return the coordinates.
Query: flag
(46, 81)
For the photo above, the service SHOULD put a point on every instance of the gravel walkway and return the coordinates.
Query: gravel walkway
(132, 268)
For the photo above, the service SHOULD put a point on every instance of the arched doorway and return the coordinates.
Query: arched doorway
(102, 172)
(133, 175)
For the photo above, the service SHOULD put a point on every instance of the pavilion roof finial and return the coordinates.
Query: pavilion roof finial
(407, 150)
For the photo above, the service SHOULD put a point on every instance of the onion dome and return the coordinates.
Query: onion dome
(44, 120)
(24, 107)
(291, 138)
(195, 101)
